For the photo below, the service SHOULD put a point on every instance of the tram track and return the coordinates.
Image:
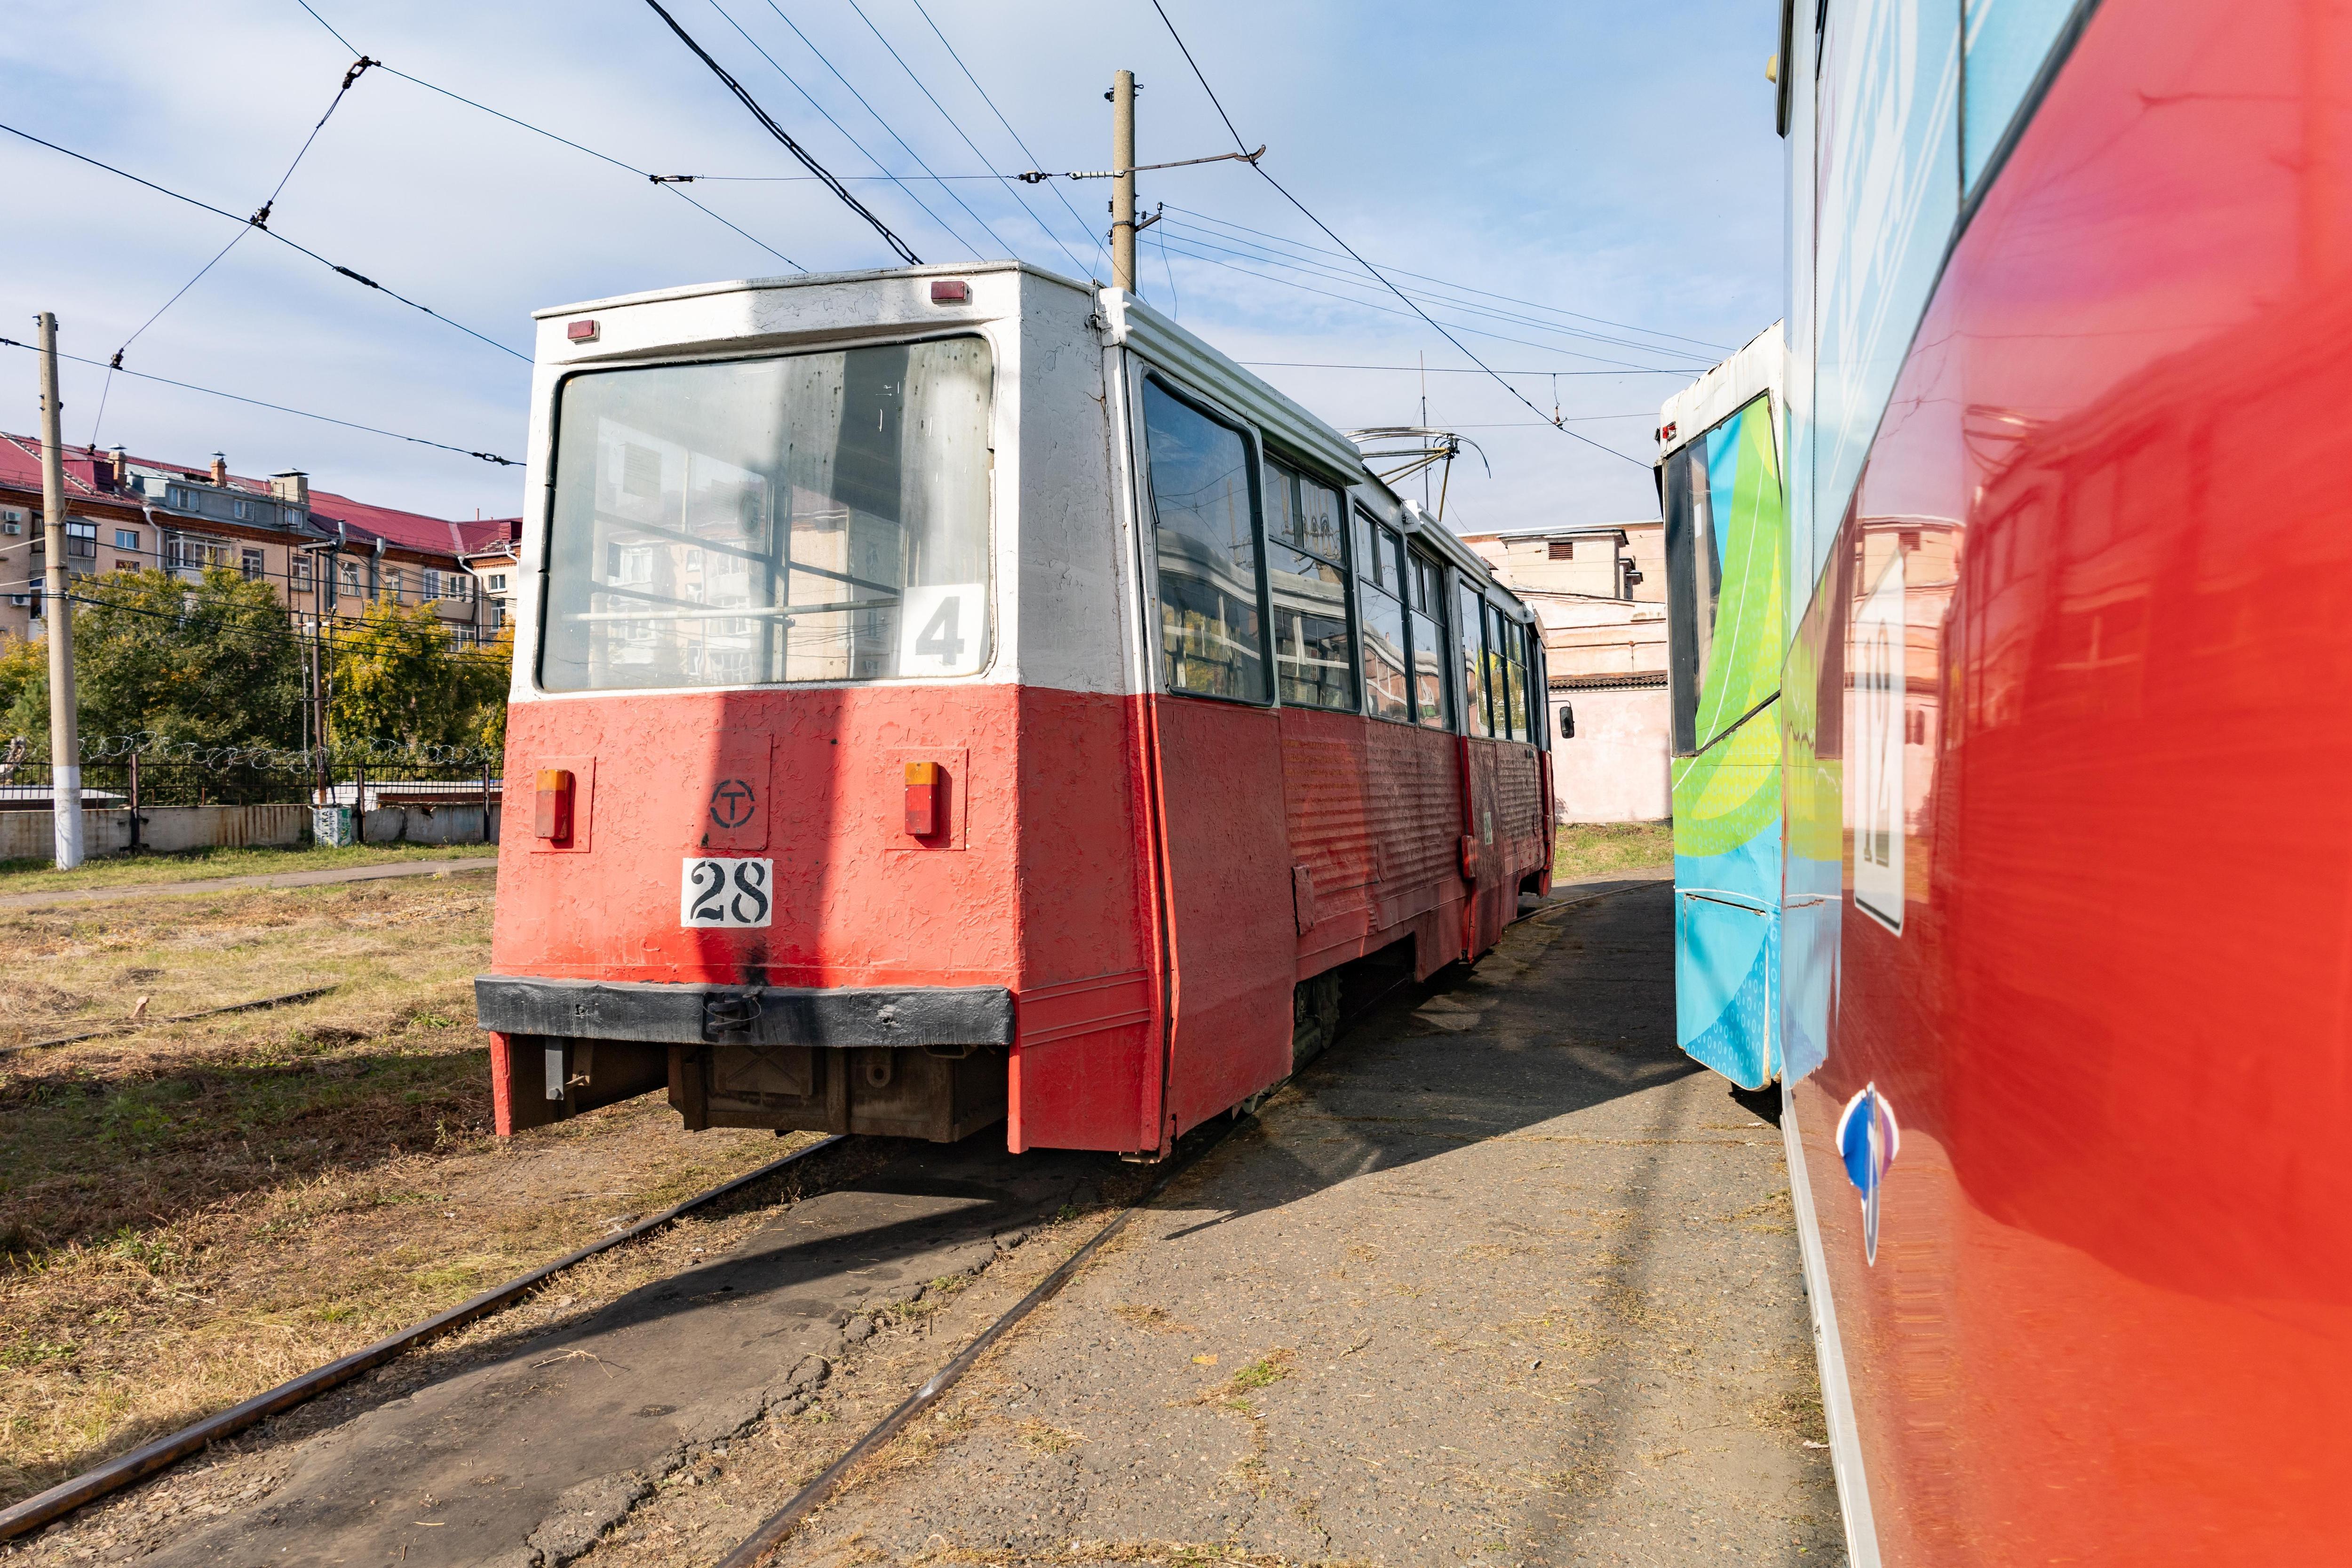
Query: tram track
(152, 1459)
(149, 1459)
(773, 1531)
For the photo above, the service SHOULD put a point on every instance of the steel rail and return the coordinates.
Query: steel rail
(772, 1529)
(117, 1473)
(753, 1549)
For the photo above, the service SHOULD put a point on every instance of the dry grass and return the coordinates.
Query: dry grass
(197, 864)
(191, 1214)
(1598, 848)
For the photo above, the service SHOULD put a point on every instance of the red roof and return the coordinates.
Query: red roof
(20, 468)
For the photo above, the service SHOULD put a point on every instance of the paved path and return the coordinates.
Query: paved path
(1503, 1279)
(265, 879)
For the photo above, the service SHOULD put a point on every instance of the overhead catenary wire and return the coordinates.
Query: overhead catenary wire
(566, 140)
(1210, 239)
(1443, 370)
(767, 121)
(260, 218)
(958, 130)
(1259, 165)
(887, 128)
(274, 407)
(1084, 226)
(1363, 304)
(358, 278)
(1238, 228)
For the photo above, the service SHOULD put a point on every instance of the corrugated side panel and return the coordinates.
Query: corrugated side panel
(1330, 815)
(1416, 802)
(1518, 807)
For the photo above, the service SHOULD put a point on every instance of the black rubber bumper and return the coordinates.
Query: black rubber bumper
(745, 1014)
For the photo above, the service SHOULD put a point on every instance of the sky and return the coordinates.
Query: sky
(1593, 191)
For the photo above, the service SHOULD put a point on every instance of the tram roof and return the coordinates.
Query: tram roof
(1724, 390)
(1162, 341)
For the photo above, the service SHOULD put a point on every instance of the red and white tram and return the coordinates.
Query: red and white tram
(956, 694)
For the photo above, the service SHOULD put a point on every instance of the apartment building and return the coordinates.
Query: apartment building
(328, 556)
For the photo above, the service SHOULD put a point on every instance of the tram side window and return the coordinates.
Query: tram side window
(1515, 647)
(1469, 620)
(1308, 583)
(1425, 599)
(806, 518)
(1379, 574)
(1203, 520)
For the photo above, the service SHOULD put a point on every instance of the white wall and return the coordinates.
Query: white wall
(1617, 768)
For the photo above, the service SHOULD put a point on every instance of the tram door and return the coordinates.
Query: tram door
(1218, 749)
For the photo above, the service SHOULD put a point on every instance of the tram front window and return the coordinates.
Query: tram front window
(814, 518)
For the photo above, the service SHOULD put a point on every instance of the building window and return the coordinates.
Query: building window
(1563, 550)
(126, 539)
(126, 566)
(351, 578)
(244, 511)
(498, 582)
(497, 613)
(82, 539)
(432, 583)
(298, 570)
(392, 585)
(251, 562)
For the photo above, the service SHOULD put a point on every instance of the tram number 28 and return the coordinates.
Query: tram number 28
(726, 892)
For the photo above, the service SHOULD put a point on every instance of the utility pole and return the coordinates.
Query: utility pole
(65, 742)
(1122, 163)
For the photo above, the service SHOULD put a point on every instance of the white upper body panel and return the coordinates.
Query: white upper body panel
(1065, 514)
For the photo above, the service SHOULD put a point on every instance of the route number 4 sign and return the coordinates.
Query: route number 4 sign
(943, 629)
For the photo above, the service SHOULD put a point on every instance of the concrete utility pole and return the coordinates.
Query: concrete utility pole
(1122, 163)
(64, 741)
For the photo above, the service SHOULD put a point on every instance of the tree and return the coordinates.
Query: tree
(211, 662)
(399, 678)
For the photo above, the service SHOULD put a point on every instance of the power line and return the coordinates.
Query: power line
(779, 133)
(1425, 278)
(888, 130)
(1315, 270)
(218, 212)
(1084, 226)
(1017, 197)
(276, 407)
(261, 216)
(1444, 369)
(1362, 304)
(566, 140)
(1259, 165)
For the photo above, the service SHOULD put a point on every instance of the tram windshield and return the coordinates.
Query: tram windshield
(813, 517)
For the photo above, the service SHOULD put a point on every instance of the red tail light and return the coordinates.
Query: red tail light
(552, 813)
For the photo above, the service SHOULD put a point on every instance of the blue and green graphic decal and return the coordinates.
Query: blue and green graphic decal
(1727, 542)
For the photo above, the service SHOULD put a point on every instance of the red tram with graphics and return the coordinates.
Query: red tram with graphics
(954, 695)
(2064, 1003)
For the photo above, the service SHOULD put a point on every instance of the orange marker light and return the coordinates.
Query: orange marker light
(552, 817)
(923, 780)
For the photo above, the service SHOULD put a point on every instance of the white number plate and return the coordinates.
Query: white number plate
(943, 629)
(726, 892)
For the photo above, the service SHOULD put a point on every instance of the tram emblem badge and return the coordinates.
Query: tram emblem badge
(732, 802)
(1868, 1139)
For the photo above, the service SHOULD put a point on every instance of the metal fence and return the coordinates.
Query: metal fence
(142, 773)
